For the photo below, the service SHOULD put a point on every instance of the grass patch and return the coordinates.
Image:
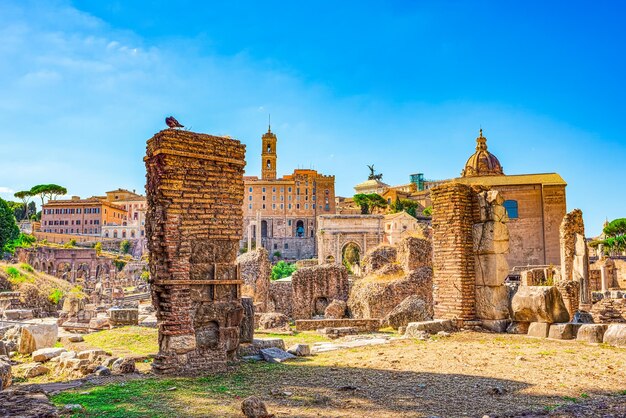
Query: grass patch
(16, 276)
(27, 267)
(154, 397)
(547, 353)
(125, 341)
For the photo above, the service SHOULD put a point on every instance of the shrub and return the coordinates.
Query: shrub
(27, 267)
(145, 276)
(125, 246)
(277, 254)
(119, 264)
(98, 248)
(283, 269)
(15, 276)
(70, 244)
(22, 241)
(55, 296)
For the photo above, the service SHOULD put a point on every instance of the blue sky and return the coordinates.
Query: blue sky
(402, 85)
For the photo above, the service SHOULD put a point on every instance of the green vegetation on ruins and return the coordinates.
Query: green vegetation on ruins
(283, 269)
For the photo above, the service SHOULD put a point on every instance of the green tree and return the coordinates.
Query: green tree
(428, 211)
(369, 202)
(125, 246)
(24, 196)
(47, 191)
(32, 211)
(8, 226)
(283, 269)
(615, 233)
(17, 208)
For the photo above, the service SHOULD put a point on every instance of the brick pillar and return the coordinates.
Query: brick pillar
(193, 226)
(454, 281)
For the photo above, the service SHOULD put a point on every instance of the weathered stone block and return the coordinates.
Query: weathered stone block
(539, 304)
(491, 269)
(518, 328)
(492, 302)
(276, 355)
(615, 335)
(591, 333)
(6, 377)
(563, 331)
(491, 238)
(247, 324)
(37, 336)
(123, 316)
(300, 350)
(539, 329)
(46, 354)
(411, 309)
(431, 327)
(497, 325)
(336, 309)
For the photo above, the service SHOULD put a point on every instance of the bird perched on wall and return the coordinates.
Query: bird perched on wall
(172, 122)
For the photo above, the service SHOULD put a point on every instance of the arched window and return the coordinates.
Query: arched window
(300, 229)
(269, 164)
(511, 208)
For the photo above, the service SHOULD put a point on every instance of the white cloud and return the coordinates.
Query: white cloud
(8, 190)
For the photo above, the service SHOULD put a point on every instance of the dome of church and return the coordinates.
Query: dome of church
(482, 162)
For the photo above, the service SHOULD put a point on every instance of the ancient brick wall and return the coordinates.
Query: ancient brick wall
(193, 224)
(609, 310)
(454, 282)
(315, 287)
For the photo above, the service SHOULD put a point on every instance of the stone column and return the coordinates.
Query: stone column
(491, 244)
(607, 273)
(193, 224)
(574, 263)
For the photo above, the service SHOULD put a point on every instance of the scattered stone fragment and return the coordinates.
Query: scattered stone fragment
(563, 331)
(338, 332)
(300, 350)
(275, 355)
(518, 327)
(253, 407)
(6, 377)
(34, 370)
(124, 366)
(44, 354)
(336, 309)
(443, 334)
(72, 408)
(75, 338)
(432, 327)
(102, 371)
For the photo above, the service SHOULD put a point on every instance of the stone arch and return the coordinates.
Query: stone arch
(263, 229)
(50, 268)
(82, 272)
(351, 256)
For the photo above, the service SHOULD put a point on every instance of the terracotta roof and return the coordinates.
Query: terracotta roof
(512, 180)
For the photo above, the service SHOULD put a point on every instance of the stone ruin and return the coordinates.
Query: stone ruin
(574, 278)
(398, 282)
(470, 241)
(314, 288)
(255, 269)
(193, 224)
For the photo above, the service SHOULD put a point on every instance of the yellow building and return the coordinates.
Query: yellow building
(284, 210)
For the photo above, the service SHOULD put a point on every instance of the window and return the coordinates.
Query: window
(250, 189)
(273, 189)
(263, 205)
(286, 246)
(282, 206)
(273, 205)
(511, 208)
(289, 222)
(289, 190)
(263, 190)
(250, 198)
(250, 206)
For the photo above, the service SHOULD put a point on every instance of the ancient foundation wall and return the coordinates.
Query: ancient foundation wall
(575, 260)
(281, 297)
(193, 224)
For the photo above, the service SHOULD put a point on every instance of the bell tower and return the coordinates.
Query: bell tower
(268, 155)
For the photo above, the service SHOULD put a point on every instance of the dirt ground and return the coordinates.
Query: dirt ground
(467, 374)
